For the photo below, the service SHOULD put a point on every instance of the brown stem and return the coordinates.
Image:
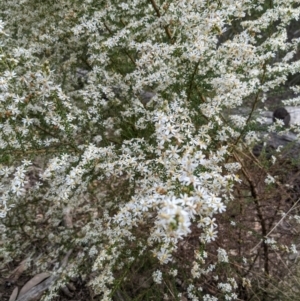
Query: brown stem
(264, 232)
(167, 30)
(191, 82)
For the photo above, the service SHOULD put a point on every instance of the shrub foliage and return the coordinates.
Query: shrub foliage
(124, 139)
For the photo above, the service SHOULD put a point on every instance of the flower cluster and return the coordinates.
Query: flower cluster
(116, 129)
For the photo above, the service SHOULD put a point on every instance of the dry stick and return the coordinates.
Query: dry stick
(255, 194)
(39, 289)
(281, 187)
(174, 298)
(254, 159)
(291, 209)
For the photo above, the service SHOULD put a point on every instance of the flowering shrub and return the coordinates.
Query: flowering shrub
(117, 135)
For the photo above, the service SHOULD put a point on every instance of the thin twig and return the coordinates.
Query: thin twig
(255, 195)
(167, 30)
(191, 82)
(284, 216)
